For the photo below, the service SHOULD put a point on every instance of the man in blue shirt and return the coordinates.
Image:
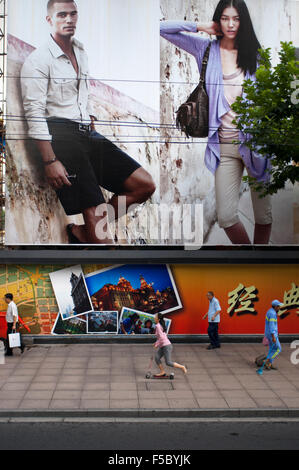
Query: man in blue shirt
(213, 315)
(271, 333)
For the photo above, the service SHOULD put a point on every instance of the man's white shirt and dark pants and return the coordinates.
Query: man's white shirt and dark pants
(214, 321)
(58, 108)
(12, 318)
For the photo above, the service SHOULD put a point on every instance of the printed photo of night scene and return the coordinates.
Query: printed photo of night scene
(149, 289)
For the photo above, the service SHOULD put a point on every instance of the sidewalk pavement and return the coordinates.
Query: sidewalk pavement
(109, 380)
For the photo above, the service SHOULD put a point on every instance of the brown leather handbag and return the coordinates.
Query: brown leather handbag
(193, 115)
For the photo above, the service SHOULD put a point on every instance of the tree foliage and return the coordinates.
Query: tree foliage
(268, 116)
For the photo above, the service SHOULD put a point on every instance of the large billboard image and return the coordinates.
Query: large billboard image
(209, 167)
(105, 145)
(127, 298)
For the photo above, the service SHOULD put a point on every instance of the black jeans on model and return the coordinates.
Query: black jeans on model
(213, 334)
(9, 350)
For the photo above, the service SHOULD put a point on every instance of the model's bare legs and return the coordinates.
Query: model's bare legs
(262, 234)
(137, 189)
(96, 227)
(237, 234)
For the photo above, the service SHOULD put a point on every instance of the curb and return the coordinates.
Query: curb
(154, 413)
(147, 339)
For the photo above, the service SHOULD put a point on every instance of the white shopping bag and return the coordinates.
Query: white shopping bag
(14, 340)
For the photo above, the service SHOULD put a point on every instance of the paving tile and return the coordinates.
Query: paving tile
(104, 371)
(181, 403)
(19, 378)
(212, 403)
(234, 394)
(38, 394)
(11, 394)
(94, 404)
(126, 395)
(123, 386)
(146, 394)
(207, 394)
(65, 404)
(95, 395)
(179, 394)
(15, 386)
(42, 385)
(66, 394)
(291, 402)
(43, 378)
(9, 404)
(34, 404)
(124, 403)
(203, 386)
(96, 386)
(262, 394)
(272, 403)
(154, 404)
(69, 386)
(286, 393)
(240, 403)
(120, 378)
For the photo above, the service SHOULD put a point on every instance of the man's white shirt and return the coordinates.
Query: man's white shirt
(51, 88)
(12, 311)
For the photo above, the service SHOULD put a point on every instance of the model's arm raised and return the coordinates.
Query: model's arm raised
(177, 33)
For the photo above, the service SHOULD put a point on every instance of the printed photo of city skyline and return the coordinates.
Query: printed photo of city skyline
(149, 289)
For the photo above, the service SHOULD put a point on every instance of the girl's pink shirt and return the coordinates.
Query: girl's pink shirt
(162, 339)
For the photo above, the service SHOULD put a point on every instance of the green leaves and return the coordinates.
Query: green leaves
(270, 114)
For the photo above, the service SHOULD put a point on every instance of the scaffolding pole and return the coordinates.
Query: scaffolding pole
(3, 55)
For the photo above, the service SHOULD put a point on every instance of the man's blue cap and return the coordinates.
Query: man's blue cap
(276, 303)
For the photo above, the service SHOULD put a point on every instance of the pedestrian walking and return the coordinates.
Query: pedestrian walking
(164, 347)
(12, 318)
(271, 333)
(213, 315)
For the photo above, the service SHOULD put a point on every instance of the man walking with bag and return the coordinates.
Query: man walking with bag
(213, 315)
(12, 318)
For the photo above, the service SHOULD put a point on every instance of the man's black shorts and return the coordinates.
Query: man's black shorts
(92, 161)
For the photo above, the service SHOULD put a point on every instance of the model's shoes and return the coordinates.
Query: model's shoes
(219, 346)
(73, 240)
(211, 347)
(7, 354)
(23, 347)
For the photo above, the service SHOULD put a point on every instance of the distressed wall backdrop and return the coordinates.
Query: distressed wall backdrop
(183, 173)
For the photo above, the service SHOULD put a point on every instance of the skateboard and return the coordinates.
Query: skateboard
(149, 375)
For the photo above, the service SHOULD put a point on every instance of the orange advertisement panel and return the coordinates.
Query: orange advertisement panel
(243, 311)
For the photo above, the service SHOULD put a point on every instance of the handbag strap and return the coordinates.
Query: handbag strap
(204, 65)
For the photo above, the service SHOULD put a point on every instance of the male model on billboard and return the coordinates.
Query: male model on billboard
(213, 315)
(77, 160)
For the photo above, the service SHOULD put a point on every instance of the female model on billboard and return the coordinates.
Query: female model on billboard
(233, 58)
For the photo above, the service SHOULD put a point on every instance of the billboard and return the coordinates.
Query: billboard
(179, 292)
(94, 155)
